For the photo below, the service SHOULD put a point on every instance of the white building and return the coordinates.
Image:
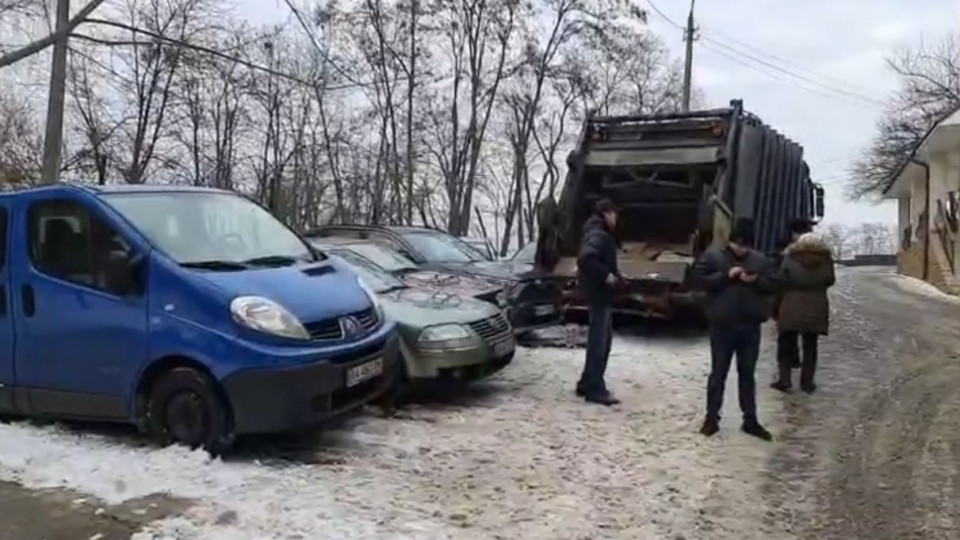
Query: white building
(928, 190)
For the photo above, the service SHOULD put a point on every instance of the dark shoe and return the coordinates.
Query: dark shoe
(781, 386)
(808, 388)
(710, 428)
(603, 399)
(755, 429)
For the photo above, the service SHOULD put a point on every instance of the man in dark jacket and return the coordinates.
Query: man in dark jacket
(738, 281)
(597, 276)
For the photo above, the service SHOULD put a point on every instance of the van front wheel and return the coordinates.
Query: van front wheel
(184, 408)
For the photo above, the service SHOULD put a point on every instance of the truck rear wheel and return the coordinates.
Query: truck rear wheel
(185, 408)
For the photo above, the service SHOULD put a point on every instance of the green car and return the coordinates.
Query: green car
(441, 334)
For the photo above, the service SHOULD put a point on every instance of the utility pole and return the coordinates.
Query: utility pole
(688, 66)
(53, 141)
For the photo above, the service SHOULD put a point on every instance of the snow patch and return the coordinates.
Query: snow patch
(515, 457)
(920, 287)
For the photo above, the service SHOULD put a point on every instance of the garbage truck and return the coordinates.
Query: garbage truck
(680, 180)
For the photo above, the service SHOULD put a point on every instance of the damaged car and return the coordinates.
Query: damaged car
(532, 297)
(412, 275)
(442, 334)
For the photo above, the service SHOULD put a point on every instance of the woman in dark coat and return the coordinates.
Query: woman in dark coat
(803, 312)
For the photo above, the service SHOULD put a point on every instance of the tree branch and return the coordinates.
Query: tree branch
(41, 44)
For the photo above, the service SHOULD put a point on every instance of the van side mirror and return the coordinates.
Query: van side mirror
(122, 272)
(818, 194)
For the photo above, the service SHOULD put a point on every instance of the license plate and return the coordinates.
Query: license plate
(541, 311)
(503, 348)
(364, 372)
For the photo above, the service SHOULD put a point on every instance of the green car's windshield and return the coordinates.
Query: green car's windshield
(438, 247)
(212, 230)
(527, 254)
(385, 258)
(371, 274)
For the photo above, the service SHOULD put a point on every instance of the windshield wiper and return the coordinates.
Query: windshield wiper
(274, 260)
(225, 266)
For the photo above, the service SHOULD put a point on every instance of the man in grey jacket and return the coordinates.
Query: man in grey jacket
(738, 282)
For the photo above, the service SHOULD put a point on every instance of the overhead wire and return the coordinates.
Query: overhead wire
(853, 87)
(316, 45)
(732, 52)
(794, 84)
(206, 50)
(789, 73)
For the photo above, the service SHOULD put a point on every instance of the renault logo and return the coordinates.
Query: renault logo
(350, 326)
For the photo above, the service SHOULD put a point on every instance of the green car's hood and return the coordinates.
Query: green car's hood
(419, 308)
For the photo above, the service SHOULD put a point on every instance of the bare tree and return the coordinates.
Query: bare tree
(930, 90)
(153, 65)
(94, 123)
(840, 239)
(21, 147)
(479, 35)
(36, 46)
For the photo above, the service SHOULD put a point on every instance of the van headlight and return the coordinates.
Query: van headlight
(265, 315)
(372, 296)
(444, 335)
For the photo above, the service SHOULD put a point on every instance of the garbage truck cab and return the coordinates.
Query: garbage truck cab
(194, 314)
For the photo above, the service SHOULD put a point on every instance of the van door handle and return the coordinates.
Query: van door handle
(3, 301)
(29, 301)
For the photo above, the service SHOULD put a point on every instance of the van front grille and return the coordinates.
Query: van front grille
(332, 329)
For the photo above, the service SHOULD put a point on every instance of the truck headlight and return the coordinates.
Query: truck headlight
(265, 315)
(443, 334)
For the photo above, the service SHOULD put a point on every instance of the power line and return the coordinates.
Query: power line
(856, 88)
(664, 15)
(794, 75)
(847, 93)
(202, 49)
(777, 77)
(316, 44)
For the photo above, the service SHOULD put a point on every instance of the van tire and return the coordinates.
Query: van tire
(185, 408)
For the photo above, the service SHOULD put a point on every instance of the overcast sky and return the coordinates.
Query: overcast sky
(838, 43)
(837, 46)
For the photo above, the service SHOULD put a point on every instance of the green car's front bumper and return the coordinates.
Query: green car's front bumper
(482, 359)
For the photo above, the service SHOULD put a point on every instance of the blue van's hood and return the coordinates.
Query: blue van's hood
(311, 292)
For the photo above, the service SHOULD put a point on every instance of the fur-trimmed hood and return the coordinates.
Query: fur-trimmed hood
(810, 250)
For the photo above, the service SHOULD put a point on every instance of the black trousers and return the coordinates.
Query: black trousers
(599, 340)
(788, 356)
(725, 343)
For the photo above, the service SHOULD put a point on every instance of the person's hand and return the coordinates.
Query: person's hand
(748, 277)
(735, 272)
(612, 280)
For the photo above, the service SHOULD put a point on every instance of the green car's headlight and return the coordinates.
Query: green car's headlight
(444, 335)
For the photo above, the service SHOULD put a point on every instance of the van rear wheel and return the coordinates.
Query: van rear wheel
(185, 408)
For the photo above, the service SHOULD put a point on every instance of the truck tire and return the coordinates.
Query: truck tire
(185, 408)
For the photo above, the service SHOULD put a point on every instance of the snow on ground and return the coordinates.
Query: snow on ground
(918, 286)
(516, 457)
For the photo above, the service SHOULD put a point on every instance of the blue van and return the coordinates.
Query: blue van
(194, 314)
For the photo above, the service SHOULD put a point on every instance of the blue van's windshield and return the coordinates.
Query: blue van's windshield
(196, 228)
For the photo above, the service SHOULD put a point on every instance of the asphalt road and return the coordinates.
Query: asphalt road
(876, 454)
